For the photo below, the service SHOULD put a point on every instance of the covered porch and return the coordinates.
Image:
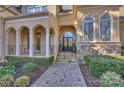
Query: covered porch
(36, 41)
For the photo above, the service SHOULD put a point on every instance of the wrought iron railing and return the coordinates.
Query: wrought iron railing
(24, 50)
(39, 50)
(11, 49)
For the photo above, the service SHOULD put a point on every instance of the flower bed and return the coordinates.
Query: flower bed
(18, 67)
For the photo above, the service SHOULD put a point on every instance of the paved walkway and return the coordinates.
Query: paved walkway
(61, 75)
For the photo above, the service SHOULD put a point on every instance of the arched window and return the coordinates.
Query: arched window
(88, 28)
(105, 27)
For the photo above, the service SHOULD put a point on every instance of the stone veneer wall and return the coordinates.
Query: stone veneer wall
(98, 48)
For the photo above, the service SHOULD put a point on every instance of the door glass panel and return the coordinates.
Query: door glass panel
(67, 41)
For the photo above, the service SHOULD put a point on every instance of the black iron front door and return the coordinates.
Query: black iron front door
(67, 44)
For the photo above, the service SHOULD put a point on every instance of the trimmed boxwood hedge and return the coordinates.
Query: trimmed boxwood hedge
(46, 62)
(99, 64)
(30, 67)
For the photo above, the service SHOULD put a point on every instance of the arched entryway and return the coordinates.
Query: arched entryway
(39, 40)
(67, 39)
(24, 47)
(11, 41)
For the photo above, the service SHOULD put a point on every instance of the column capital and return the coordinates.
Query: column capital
(31, 30)
(47, 30)
(18, 32)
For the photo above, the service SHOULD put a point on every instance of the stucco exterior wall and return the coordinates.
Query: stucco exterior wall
(2, 24)
(62, 22)
(29, 22)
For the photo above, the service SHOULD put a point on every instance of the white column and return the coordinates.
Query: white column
(31, 37)
(54, 43)
(18, 43)
(7, 41)
(47, 42)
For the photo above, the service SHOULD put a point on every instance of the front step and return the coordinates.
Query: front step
(66, 57)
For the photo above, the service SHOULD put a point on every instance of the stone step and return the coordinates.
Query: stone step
(65, 60)
(66, 57)
(69, 61)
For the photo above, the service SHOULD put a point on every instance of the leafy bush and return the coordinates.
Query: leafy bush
(6, 80)
(22, 81)
(14, 63)
(122, 50)
(111, 79)
(29, 67)
(51, 60)
(45, 62)
(99, 64)
(7, 70)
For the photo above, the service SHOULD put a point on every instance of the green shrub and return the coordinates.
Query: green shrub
(2, 71)
(42, 62)
(14, 63)
(7, 70)
(23, 81)
(51, 60)
(111, 79)
(45, 62)
(30, 67)
(6, 80)
(99, 64)
(122, 50)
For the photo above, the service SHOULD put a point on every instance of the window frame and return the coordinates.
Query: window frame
(111, 28)
(94, 35)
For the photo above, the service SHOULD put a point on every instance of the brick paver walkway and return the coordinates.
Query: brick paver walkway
(61, 75)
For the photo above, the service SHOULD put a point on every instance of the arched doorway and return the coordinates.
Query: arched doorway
(67, 42)
(67, 39)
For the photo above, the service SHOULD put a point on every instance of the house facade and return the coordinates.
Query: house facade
(47, 30)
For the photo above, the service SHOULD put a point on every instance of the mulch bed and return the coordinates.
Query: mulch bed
(36, 74)
(33, 75)
(90, 80)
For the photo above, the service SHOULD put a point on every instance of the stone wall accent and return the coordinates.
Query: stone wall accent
(98, 48)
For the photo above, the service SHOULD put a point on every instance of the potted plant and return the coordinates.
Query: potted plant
(74, 47)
